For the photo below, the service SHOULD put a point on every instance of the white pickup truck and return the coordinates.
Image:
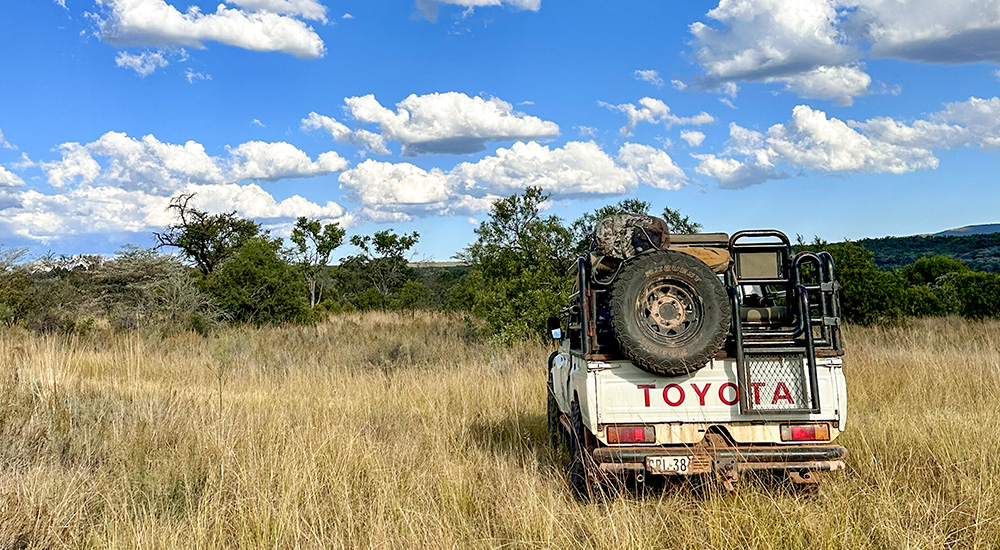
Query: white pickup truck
(670, 367)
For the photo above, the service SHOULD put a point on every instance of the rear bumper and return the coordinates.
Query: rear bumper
(726, 460)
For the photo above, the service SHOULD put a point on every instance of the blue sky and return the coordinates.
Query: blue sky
(820, 117)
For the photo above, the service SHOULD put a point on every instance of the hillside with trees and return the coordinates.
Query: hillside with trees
(978, 252)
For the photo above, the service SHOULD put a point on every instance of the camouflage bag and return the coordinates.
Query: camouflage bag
(625, 235)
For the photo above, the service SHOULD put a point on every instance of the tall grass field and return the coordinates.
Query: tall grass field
(414, 431)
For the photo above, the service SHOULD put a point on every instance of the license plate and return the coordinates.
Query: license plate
(669, 464)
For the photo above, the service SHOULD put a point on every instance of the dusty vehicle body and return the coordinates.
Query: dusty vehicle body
(771, 399)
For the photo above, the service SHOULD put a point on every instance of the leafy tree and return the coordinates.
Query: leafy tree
(977, 293)
(927, 270)
(412, 295)
(314, 242)
(868, 294)
(519, 263)
(924, 301)
(142, 288)
(203, 238)
(16, 296)
(255, 285)
(382, 263)
(679, 224)
(15, 286)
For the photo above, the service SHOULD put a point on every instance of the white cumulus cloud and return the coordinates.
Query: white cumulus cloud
(4, 144)
(579, 167)
(959, 31)
(430, 7)
(76, 165)
(450, 122)
(144, 63)
(113, 210)
(649, 75)
(651, 166)
(258, 160)
(655, 111)
(396, 186)
(157, 168)
(575, 170)
(9, 179)
(810, 141)
(342, 134)
(153, 166)
(817, 48)
(306, 9)
(157, 23)
(693, 138)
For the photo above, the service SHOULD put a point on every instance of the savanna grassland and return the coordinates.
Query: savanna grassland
(414, 431)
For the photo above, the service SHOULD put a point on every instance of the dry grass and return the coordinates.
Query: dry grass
(407, 432)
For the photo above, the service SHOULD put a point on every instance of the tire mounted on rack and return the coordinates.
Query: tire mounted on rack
(669, 311)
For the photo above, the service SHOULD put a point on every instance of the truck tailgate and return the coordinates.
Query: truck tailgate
(626, 394)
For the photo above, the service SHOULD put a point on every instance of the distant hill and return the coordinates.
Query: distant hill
(981, 229)
(979, 251)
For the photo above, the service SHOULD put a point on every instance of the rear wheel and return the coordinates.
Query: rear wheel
(586, 479)
(670, 312)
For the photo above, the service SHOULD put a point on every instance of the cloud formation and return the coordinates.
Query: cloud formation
(578, 169)
(650, 76)
(9, 179)
(119, 184)
(693, 138)
(157, 23)
(258, 160)
(430, 7)
(654, 111)
(157, 168)
(4, 144)
(816, 48)
(108, 209)
(450, 122)
(143, 63)
(813, 142)
(306, 9)
(342, 134)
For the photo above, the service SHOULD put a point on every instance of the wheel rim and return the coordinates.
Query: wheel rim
(669, 311)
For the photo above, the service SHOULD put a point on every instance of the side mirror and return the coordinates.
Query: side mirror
(555, 328)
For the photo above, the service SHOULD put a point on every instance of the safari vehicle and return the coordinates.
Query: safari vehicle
(705, 354)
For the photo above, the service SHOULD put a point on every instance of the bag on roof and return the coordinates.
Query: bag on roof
(625, 235)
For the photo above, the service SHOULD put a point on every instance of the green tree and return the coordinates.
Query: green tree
(256, 285)
(205, 239)
(382, 263)
(927, 270)
(412, 295)
(868, 295)
(977, 294)
(16, 287)
(680, 224)
(520, 261)
(314, 243)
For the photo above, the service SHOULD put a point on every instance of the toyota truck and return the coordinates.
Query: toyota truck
(697, 355)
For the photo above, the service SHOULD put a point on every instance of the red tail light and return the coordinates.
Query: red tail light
(805, 432)
(631, 434)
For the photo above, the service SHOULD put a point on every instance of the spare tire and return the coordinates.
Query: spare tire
(669, 312)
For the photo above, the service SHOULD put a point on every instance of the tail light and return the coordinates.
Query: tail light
(630, 434)
(805, 432)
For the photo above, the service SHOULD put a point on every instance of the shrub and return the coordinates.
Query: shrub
(257, 286)
(977, 294)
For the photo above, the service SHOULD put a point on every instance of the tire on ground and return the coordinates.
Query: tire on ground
(670, 312)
